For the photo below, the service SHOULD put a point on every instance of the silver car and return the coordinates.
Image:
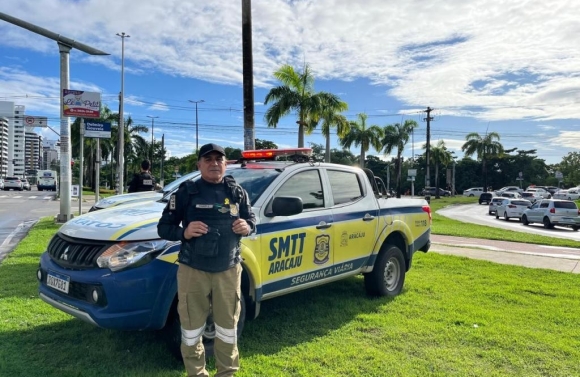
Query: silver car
(552, 212)
(25, 184)
(13, 183)
(495, 201)
(510, 208)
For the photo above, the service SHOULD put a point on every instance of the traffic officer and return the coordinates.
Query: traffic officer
(142, 181)
(214, 213)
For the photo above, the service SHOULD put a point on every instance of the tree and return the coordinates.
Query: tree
(485, 147)
(297, 94)
(362, 136)
(332, 118)
(265, 144)
(396, 136)
(439, 156)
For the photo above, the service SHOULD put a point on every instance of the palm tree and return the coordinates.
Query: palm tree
(439, 156)
(361, 135)
(297, 94)
(332, 118)
(397, 136)
(485, 147)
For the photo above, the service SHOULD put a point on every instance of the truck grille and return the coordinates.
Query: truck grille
(76, 254)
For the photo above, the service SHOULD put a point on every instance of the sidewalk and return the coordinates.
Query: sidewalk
(514, 253)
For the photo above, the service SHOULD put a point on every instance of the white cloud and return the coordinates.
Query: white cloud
(159, 106)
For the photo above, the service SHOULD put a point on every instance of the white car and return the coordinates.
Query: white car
(511, 208)
(552, 212)
(473, 192)
(570, 194)
(495, 201)
(540, 191)
(531, 196)
(508, 189)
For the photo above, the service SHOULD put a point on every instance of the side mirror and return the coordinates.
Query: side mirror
(286, 206)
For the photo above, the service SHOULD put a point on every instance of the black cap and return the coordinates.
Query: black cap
(208, 148)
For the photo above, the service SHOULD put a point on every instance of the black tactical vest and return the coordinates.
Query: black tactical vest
(219, 249)
(145, 182)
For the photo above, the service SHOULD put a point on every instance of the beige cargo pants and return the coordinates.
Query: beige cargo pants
(194, 289)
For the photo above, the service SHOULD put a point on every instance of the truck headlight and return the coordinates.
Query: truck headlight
(125, 254)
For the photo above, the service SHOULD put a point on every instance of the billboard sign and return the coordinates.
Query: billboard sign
(97, 129)
(32, 121)
(77, 103)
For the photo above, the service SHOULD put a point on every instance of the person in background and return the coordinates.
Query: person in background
(209, 216)
(142, 181)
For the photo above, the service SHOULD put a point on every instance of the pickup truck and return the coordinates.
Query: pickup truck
(316, 223)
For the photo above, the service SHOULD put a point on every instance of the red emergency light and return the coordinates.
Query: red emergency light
(260, 154)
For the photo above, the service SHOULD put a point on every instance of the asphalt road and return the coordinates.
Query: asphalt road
(478, 214)
(20, 210)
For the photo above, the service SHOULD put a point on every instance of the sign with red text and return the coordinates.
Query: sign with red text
(78, 103)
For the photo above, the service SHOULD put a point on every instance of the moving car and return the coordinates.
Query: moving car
(25, 184)
(474, 191)
(508, 208)
(13, 183)
(485, 197)
(540, 191)
(316, 223)
(493, 203)
(508, 189)
(432, 190)
(570, 194)
(551, 212)
(531, 196)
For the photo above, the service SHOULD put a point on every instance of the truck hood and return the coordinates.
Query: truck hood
(116, 200)
(130, 222)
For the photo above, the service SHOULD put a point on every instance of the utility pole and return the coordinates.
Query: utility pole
(152, 125)
(428, 154)
(196, 125)
(121, 161)
(162, 158)
(248, 75)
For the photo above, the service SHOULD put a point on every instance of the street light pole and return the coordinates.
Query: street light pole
(121, 162)
(196, 125)
(152, 127)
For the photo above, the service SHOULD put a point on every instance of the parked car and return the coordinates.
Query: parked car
(570, 194)
(508, 189)
(25, 184)
(485, 197)
(552, 212)
(474, 191)
(12, 183)
(511, 208)
(432, 192)
(493, 203)
(1, 183)
(510, 194)
(540, 191)
(531, 196)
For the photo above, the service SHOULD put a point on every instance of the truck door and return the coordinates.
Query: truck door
(355, 216)
(297, 249)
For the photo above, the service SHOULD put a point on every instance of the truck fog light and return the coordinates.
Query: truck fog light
(39, 274)
(95, 295)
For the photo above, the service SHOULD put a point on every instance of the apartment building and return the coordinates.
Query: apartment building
(3, 146)
(16, 137)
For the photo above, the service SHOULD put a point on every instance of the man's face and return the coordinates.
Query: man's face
(212, 167)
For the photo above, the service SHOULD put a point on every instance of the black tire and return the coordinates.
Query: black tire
(172, 331)
(489, 213)
(496, 215)
(575, 228)
(505, 216)
(471, 195)
(547, 223)
(388, 275)
(525, 220)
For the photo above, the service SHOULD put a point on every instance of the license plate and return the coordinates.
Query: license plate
(58, 281)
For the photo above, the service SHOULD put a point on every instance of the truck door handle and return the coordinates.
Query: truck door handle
(323, 225)
(368, 217)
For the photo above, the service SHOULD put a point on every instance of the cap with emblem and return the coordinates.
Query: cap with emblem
(208, 148)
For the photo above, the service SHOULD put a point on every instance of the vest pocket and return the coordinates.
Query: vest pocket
(207, 245)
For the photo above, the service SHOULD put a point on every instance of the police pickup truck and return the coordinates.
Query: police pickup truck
(316, 223)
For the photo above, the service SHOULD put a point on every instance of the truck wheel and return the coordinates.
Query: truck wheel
(172, 331)
(388, 275)
(525, 220)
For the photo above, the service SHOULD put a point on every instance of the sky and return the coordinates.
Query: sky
(511, 67)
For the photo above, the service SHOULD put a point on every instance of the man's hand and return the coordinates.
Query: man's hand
(195, 229)
(241, 227)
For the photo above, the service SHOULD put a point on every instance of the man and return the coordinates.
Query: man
(214, 213)
(142, 181)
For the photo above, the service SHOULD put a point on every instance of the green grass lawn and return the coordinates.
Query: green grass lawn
(455, 317)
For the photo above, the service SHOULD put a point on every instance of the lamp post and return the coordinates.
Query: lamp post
(121, 161)
(152, 126)
(196, 125)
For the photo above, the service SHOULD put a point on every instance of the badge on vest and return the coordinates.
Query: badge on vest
(148, 182)
(172, 202)
(204, 206)
(234, 211)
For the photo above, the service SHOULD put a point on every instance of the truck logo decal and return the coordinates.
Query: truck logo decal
(322, 249)
(286, 252)
(64, 255)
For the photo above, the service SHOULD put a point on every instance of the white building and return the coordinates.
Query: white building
(33, 150)
(3, 146)
(50, 154)
(16, 137)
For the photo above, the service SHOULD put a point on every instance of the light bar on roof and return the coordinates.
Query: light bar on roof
(272, 153)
